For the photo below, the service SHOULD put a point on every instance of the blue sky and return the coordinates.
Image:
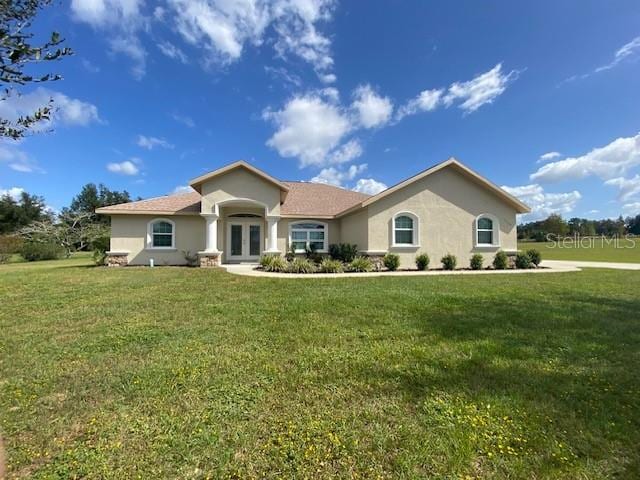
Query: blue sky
(540, 97)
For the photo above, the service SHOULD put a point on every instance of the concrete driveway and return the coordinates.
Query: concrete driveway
(579, 264)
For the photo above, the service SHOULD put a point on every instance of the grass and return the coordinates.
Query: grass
(195, 373)
(593, 250)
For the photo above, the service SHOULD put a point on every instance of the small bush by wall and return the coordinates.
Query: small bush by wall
(391, 261)
(301, 265)
(449, 262)
(523, 260)
(476, 262)
(535, 256)
(331, 266)
(345, 252)
(500, 261)
(360, 264)
(422, 261)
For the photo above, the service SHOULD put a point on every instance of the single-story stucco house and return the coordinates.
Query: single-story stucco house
(238, 213)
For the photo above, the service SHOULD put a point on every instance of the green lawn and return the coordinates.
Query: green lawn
(195, 373)
(596, 250)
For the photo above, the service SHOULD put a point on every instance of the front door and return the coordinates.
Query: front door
(244, 240)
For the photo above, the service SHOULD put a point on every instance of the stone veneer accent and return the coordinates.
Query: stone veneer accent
(208, 259)
(117, 259)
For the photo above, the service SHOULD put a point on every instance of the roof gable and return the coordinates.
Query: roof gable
(197, 182)
(461, 168)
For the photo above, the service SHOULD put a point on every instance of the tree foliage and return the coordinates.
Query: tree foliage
(556, 226)
(15, 214)
(17, 51)
(92, 197)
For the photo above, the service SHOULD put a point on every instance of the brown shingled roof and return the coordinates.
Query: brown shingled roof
(178, 204)
(318, 199)
(303, 199)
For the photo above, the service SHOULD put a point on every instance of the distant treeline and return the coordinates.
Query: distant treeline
(557, 226)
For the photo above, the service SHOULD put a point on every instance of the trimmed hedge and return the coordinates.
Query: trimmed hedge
(391, 261)
(422, 261)
(476, 262)
(449, 262)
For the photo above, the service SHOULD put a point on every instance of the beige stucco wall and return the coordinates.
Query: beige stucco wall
(447, 204)
(354, 229)
(129, 233)
(240, 183)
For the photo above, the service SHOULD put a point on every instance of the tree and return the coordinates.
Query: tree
(15, 214)
(17, 52)
(555, 225)
(633, 225)
(92, 197)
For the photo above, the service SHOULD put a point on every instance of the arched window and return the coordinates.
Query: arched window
(308, 234)
(161, 233)
(487, 228)
(405, 230)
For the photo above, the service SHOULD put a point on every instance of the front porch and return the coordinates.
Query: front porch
(238, 231)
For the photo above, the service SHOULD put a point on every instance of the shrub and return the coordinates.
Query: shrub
(301, 265)
(345, 252)
(449, 262)
(476, 262)
(273, 263)
(291, 254)
(360, 264)
(535, 256)
(391, 261)
(331, 266)
(311, 254)
(10, 244)
(500, 261)
(100, 245)
(33, 252)
(523, 260)
(422, 261)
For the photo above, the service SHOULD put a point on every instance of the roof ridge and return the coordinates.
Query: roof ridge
(309, 182)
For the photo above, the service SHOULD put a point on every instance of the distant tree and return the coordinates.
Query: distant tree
(555, 225)
(92, 197)
(16, 52)
(15, 214)
(633, 225)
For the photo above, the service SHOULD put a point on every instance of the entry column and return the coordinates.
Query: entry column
(272, 228)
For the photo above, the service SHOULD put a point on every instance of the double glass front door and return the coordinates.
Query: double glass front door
(244, 240)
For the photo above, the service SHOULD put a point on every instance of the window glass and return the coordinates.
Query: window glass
(404, 237)
(161, 240)
(308, 235)
(162, 227)
(485, 224)
(404, 222)
(485, 237)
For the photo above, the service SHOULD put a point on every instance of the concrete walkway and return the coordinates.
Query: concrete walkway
(249, 270)
(580, 264)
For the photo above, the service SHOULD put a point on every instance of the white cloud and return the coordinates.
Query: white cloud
(373, 110)
(612, 160)
(18, 160)
(542, 203)
(625, 52)
(284, 75)
(128, 167)
(182, 189)
(631, 209)
(346, 152)
(369, 186)
(121, 19)
(171, 51)
(309, 128)
(67, 111)
(337, 177)
(225, 27)
(89, 66)
(13, 192)
(101, 13)
(426, 101)
(131, 46)
(151, 142)
(184, 119)
(628, 188)
(481, 90)
(547, 157)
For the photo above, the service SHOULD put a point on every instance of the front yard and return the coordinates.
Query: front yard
(196, 373)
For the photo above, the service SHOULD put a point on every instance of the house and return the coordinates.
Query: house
(238, 213)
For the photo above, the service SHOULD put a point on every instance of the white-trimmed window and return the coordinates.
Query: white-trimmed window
(405, 230)
(308, 234)
(161, 234)
(487, 228)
